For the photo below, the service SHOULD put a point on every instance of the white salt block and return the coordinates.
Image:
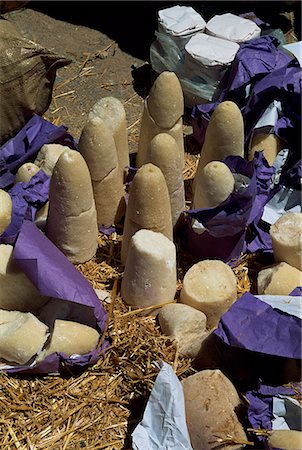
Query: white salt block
(285, 440)
(16, 291)
(71, 338)
(164, 153)
(26, 172)
(209, 286)
(186, 325)
(286, 235)
(269, 144)
(99, 151)
(112, 112)
(48, 156)
(210, 402)
(224, 135)
(150, 271)
(71, 222)
(279, 280)
(22, 336)
(6, 207)
(148, 206)
(213, 185)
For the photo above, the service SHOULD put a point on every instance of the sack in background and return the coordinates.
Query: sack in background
(27, 75)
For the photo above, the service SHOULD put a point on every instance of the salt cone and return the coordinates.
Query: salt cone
(150, 271)
(26, 172)
(270, 144)
(279, 280)
(148, 206)
(164, 153)
(48, 156)
(213, 185)
(6, 207)
(224, 135)
(112, 112)
(98, 148)
(286, 234)
(71, 222)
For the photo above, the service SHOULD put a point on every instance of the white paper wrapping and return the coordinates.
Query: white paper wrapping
(233, 28)
(287, 414)
(164, 422)
(286, 303)
(180, 21)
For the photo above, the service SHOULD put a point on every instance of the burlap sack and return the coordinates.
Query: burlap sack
(27, 74)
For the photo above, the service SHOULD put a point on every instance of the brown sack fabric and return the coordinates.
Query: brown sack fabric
(27, 74)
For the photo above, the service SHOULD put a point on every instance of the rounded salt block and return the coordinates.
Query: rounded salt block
(285, 440)
(71, 221)
(26, 172)
(6, 206)
(213, 186)
(16, 291)
(150, 271)
(164, 153)
(48, 156)
(22, 336)
(165, 100)
(112, 112)
(209, 286)
(279, 280)
(148, 206)
(224, 135)
(270, 144)
(286, 235)
(71, 338)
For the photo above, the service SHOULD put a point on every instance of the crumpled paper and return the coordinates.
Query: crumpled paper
(27, 143)
(164, 425)
(55, 277)
(180, 21)
(232, 27)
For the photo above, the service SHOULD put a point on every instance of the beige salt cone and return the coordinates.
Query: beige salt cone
(281, 279)
(99, 151)
(270, 144)
(48, 156)
(286, 235)
(148, 206)
(6, 207)
(26, 172)
(71, 222)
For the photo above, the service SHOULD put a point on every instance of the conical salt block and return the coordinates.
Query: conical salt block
(279, 280)
(224, 135)
(150, 271)
(48, 156)
(98, 148)
(213, 185)
(16, 291)
(112, 112)
(286, 234)
(41, 216)
(211, 402)
(148, 206)
(26, 172)
(285, 440)
(164, 153)
(71, 222)
(22, 336)
(209, 286)
(270, 144)
(163, 111)
(6, 206)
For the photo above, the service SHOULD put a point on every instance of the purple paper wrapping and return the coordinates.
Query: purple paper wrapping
(254, 325)
(253, 62)
(27, 198)
(227, 223)
(54, 276)
(26, 143)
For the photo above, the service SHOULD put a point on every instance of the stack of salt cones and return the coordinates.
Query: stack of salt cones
(152, 209)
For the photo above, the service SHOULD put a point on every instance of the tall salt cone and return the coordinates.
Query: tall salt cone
(71, 222)
(148, 206)
(163, 111)
(150, 271)
(270, 144)
(164, 153)
(213, 184)
(6, 208)
(112, 112)
(99, 151)
(224, 135)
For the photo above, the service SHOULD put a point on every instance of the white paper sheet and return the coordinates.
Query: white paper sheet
(180, 21)
(233, 28)
(290, 304)
(296, 49)
(287, 414)
(164, 425)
